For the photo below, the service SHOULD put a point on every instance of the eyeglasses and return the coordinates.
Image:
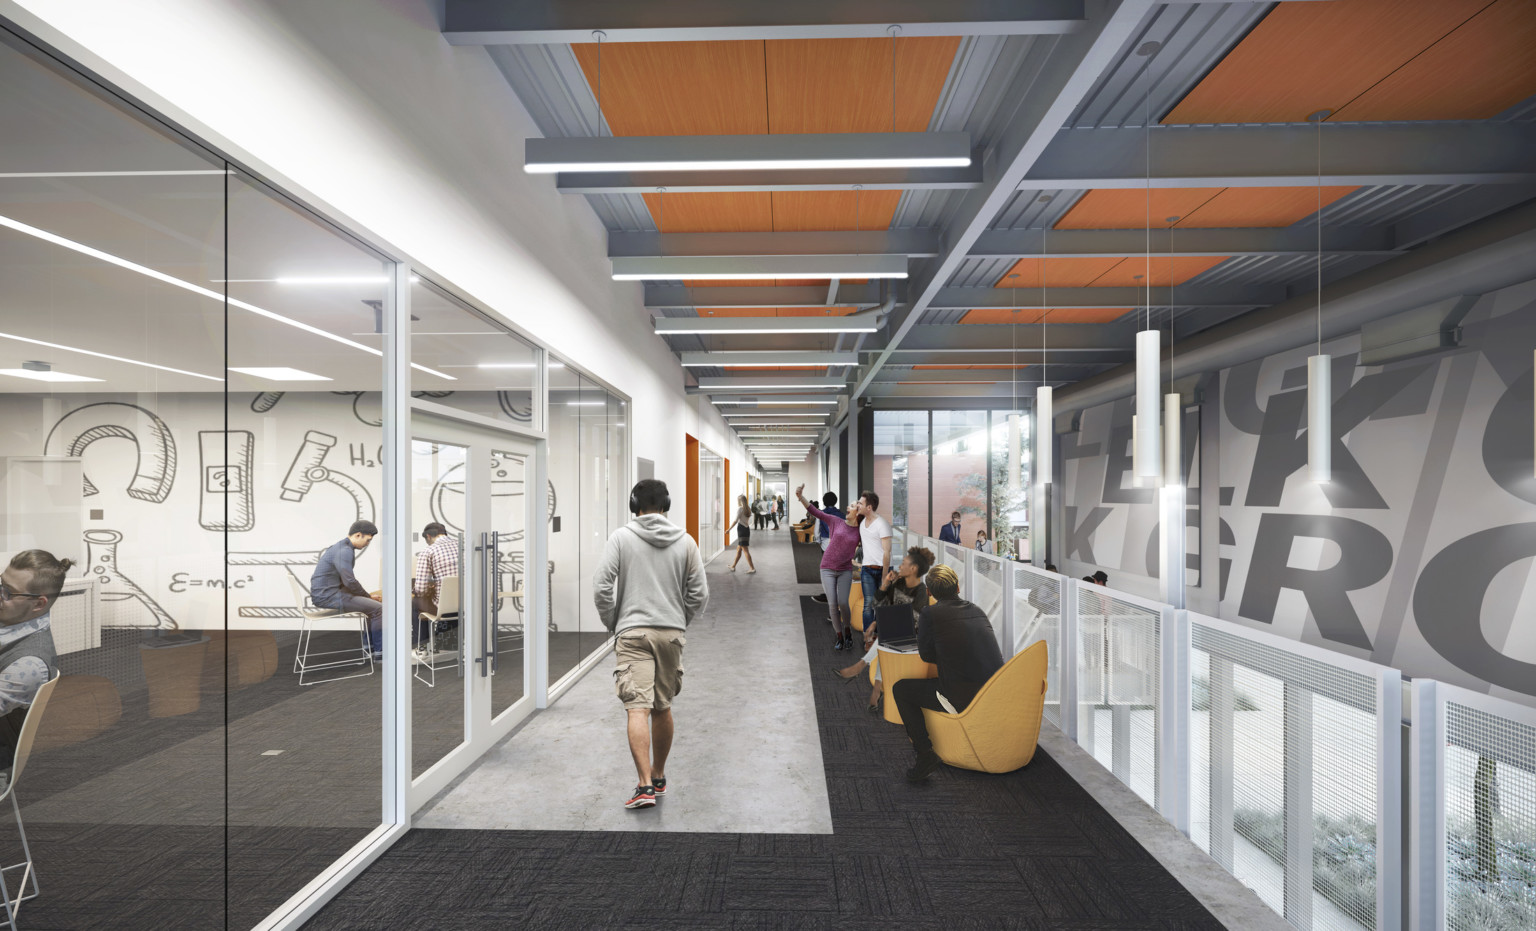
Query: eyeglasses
(7, 593)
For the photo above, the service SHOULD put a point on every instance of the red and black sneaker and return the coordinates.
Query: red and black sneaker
(645, 797)
(659, 787)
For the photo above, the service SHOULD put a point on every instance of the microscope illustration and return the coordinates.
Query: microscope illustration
(307, 470)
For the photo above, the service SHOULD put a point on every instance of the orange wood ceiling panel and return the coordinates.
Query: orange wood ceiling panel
(846, 85)
(775, 311)
(1126, 209)
(1165, 272)
(1260, 206)
(783, 86)
(1484, 67)
(1304, 57)
(1197, 208)
(1073, 272)
(679, 88)
(1005, 316)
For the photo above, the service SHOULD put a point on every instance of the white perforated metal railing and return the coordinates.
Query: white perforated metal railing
(986, 592)
(1294, 748)
(1473, 806)
(1118, 689)
(1037, 616)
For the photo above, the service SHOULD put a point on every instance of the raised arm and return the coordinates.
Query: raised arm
(812, 509)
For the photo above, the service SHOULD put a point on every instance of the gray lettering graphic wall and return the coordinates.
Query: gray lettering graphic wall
(1419, 554)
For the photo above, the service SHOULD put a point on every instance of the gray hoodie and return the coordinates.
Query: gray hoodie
(651, 576)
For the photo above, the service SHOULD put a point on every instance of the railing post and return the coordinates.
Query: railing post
(1069, 660)
(1298, 806)
(1223, 692)
(1173, 757)
(1006, 580)
(1389, 800)
(1427, 808)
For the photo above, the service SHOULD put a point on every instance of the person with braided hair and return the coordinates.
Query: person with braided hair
(955, 636)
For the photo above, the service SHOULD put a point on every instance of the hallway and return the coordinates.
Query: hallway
(1029, 849)
(746, 758)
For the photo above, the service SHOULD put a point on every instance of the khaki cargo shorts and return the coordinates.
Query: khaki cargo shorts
(650, 666)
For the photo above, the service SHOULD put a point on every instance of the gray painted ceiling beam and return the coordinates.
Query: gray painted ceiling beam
(1066, 339)
(1043, 99)
(1456, 212)
(659, 296)
(732, 403)
(769, 357)
(757, 267)
(1285, 155)
(1034, 243)
(1182, 296)
(766, 383)
(882, 389)
(558, 22)
(911, 242)
(771, 179)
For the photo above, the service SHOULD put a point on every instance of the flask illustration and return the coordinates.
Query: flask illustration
(117, 589)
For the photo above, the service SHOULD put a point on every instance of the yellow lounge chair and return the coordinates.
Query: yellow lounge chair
(998, 730)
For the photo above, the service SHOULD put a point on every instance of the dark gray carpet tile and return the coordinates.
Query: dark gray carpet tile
(808, 566)
(1028, 850)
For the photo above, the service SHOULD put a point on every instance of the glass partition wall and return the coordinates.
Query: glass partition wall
(932, 464)
(292, 587)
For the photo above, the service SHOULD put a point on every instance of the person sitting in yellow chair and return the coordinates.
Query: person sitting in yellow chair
(955, 636)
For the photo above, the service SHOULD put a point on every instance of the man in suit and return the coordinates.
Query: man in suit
(956, 636)
(950, 532)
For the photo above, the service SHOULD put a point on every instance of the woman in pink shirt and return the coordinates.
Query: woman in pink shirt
(837, 568)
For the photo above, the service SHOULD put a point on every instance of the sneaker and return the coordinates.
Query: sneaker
(659, 786)
(419, 657)
(378, 656)
(751, 572)
(924, 767)
(819, 599)
(733, 568)
(645, 797)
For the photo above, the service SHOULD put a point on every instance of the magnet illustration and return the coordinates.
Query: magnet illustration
(155, 467)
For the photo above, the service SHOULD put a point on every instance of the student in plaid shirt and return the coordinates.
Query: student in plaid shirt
(440, 560)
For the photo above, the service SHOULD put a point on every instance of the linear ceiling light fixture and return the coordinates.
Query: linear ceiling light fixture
(749, 359)
(756, 267)
(103, 355)
(43, 371)
(756, 326)
(797, 402)
(279, 373)
(148, 272)
(1319, 371)
(791, 151)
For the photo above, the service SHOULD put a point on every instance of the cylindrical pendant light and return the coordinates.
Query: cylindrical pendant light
(1148, 447)
(1319, 373)
(1173, 455)
(1319, 419)
(1043, 434)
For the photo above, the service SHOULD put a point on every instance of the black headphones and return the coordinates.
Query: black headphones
(634, 506)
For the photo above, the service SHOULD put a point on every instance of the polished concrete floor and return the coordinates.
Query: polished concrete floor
(747, 758)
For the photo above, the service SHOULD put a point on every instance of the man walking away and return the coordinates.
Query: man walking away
(648, 589)
(956, 636)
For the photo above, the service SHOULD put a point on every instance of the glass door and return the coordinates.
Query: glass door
(471, 662)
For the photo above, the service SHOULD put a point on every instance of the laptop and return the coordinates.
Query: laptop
(897, 627)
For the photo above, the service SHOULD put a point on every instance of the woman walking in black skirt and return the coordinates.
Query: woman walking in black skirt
(743, 534)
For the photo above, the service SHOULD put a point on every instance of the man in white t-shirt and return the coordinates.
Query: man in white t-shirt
(875, 538)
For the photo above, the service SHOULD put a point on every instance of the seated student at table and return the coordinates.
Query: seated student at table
(1043, 599)
(334, 586)
(439, 561)
(28, 588)
(902, 585)
(955, 636)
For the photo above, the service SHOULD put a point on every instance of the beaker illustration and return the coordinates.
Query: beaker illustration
(116, 588)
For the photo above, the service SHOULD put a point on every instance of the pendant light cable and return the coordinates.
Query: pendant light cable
(598, 34)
